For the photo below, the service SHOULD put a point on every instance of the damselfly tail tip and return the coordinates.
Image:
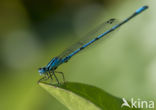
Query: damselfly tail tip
(141, 9)
(145, 7)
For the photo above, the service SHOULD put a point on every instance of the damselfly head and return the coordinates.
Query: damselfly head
(42, 70)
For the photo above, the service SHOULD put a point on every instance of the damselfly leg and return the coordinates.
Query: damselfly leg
(55, 77)
(46, 77)
(61, 74)
(50, 76)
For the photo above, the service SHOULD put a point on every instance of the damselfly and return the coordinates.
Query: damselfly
(107, 27)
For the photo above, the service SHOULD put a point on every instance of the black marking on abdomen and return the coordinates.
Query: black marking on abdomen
(81, 48)
(96, 38)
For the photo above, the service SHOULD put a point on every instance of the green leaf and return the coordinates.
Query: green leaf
(77, 96)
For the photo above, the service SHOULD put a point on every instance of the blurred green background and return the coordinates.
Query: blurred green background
(32, 32)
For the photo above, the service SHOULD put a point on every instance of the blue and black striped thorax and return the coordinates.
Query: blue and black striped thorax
(53, 64)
